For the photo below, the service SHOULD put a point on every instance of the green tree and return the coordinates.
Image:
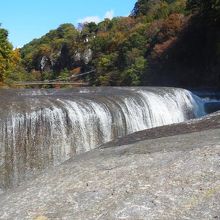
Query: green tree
(6, 53)
(132, 75)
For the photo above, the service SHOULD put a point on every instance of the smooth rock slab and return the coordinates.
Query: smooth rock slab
(174, 177)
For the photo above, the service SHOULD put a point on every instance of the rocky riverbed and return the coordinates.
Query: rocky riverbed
(171, 172)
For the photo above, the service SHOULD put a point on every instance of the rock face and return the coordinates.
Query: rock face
(176, 177)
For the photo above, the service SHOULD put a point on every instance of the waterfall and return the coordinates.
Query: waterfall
(40, 128)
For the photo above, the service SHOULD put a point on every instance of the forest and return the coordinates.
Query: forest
(161, 43)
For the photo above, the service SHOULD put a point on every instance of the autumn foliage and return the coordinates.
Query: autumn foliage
(130, 51)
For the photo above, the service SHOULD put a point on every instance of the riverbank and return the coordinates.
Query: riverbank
(3, 86)
(175, 177)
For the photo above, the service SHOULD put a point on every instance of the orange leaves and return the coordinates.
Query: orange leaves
(159, 49)
(171, 27)
(173, 24)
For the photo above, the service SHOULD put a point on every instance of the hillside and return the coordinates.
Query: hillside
(117, 49)
(162, 43)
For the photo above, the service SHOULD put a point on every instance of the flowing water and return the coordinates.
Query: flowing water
(40, 128)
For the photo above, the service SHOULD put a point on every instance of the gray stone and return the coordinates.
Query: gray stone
(176, 177)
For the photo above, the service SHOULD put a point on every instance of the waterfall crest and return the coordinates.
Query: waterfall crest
(43, 128)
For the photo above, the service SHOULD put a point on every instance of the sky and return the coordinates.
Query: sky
(29, 19)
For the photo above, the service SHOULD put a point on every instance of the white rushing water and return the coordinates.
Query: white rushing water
(47, 128)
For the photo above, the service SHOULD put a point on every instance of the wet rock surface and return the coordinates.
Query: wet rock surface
(175, 177)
